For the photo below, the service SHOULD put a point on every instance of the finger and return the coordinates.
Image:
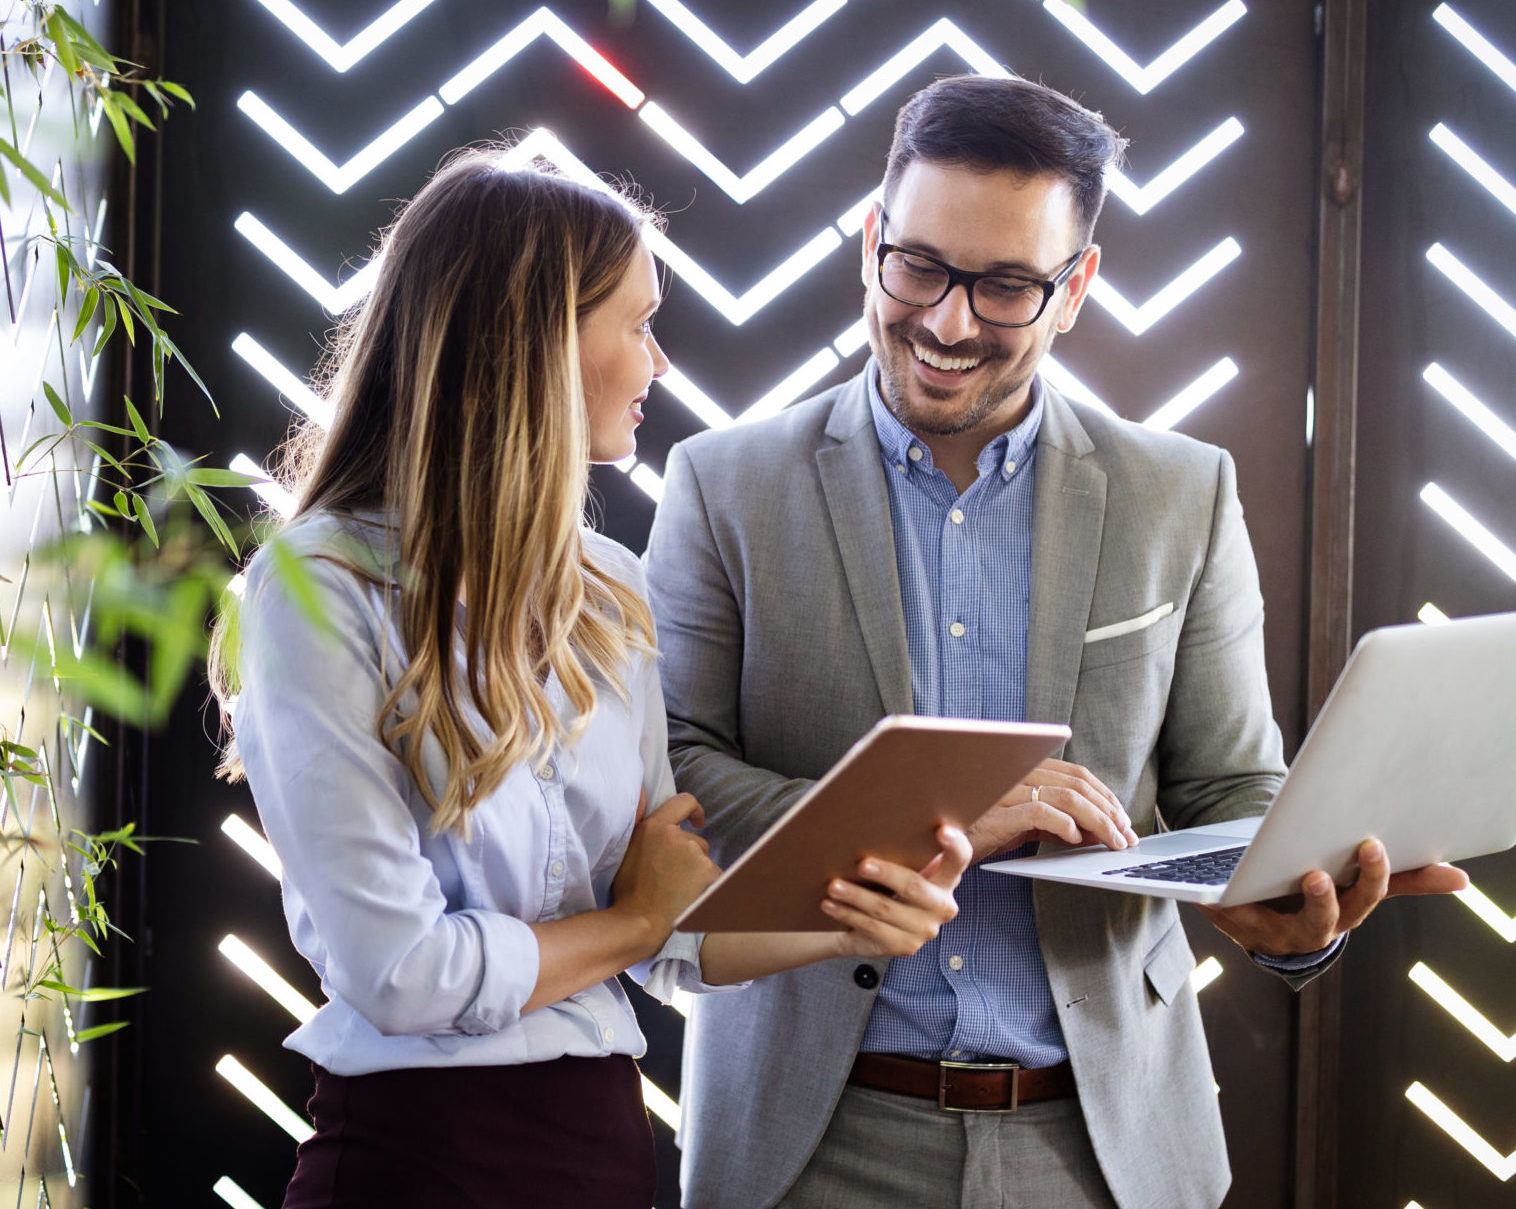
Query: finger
(954, 858)
(867, 934)
(1079, 773)
(1430, 879)
(1092, 818)
(1317, 922)
(1369, 889)
(677, 809)
(919, 910)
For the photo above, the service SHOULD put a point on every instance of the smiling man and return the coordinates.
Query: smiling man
(945, 534)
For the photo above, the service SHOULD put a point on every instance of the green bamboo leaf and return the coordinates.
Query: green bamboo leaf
(294, 575)
(100, 1030)
(90, 994)
(123, 129)
(223, 478)
(63, 44)
(177, 90)
(127, 325)
(207, 509)
(54, 437)
(123, 505)
(32, 173)
(86, 47)
(105, 684)
(106, 329)
(134, 110)
(145, 518)
(104, 427)
(189, 369)
(144, 308)
(60, 408)
(108, 458)
(86, 312)
(135, 417)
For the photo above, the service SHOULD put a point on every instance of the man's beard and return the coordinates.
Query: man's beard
(897, 380)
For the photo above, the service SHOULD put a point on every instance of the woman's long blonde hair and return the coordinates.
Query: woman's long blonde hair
(459, 414)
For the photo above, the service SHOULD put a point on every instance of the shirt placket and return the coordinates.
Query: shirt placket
(550, 782)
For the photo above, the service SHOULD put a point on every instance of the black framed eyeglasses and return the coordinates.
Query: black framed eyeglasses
(999, 299)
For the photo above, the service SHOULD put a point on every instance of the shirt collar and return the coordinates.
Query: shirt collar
(1005, 453)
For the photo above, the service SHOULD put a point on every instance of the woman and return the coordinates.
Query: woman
(450, 718)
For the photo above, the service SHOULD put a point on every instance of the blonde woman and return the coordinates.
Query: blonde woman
(458, 754)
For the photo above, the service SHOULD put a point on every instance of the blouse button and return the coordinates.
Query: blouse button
(556, 869)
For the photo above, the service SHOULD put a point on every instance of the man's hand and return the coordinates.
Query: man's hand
(1057, 801)
(1286, 927)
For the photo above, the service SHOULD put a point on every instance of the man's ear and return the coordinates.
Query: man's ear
(873, 227)
(1079, 283)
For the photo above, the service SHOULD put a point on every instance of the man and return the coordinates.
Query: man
(946, 535)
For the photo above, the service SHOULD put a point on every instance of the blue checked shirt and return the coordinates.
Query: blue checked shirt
(965, 569)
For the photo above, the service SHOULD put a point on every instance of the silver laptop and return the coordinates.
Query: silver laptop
(1416, 746)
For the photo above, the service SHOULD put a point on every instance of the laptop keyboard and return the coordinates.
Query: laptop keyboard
(1201, 869)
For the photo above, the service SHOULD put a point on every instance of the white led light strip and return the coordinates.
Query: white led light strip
(1496, 307)
(275, 496)
(246, 837)
(1503, 1167)
(542, 23)
(1141, 199)
(1480, 903)
(232, 1193)
(941, 33)
(1145, 79)
(341, 56)
(1430, 614)
(258, 1093)
(744, 68)
(333, 299)
(1469, 528)
(742, 188)
(281, 379)
(1476, 44)
(1474, 164)
(339, 178)
(1204, 974)
(1137, 319)
(236, 951)
(1470, 407)
(1456, 1006)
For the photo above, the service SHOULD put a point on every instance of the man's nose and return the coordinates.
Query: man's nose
(953, 319)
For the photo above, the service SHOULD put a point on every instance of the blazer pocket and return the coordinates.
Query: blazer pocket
(1169, 964)
(1154, 630)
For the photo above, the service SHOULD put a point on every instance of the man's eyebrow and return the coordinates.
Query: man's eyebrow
(1018, 268)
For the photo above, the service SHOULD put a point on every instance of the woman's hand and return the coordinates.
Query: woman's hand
(665, 867)
(915, 904)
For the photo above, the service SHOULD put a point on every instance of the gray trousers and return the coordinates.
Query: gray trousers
(902, 1152)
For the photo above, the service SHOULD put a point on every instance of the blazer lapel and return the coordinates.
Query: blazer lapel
(1068, 516)
(858, 502)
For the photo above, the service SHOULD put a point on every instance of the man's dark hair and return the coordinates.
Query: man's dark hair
(985, 123)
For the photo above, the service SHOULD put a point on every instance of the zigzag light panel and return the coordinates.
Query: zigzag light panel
(1474, 164)
(745, 68)
(1476, 44)
(1145, 79)
(341, 56)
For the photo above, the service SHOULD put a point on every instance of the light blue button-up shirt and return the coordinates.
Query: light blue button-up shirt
(965, 569)
(422, 941)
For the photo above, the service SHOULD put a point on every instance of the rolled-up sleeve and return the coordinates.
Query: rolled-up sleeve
(338, 809)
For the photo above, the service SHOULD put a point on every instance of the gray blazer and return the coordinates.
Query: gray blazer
(772, 577)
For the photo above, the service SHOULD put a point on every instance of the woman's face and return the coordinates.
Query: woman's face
(618, 360)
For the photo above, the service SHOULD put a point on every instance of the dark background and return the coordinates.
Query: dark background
(181, 1127)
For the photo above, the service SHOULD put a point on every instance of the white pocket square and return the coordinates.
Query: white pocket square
(1131, 625)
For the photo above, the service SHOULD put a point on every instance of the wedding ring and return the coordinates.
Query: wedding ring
(1036, 793)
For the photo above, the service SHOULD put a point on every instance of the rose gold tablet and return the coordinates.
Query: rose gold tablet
(885, 798)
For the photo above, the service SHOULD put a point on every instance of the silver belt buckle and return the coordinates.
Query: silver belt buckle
(943, 1066)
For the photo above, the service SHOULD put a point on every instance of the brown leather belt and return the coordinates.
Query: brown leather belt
(963, 1086)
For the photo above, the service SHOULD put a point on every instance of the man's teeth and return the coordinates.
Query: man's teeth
(937, 361)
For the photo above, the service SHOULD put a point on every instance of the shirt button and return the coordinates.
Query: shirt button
(915, 453)
(956, 516)
(1010, 468)
(547, 773)
(900, 466)
(956, 629)
(556, 869)
(609, 1034)
(867, 977)
(955, 962)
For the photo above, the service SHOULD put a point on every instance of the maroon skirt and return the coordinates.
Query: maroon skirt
(572, 1132)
